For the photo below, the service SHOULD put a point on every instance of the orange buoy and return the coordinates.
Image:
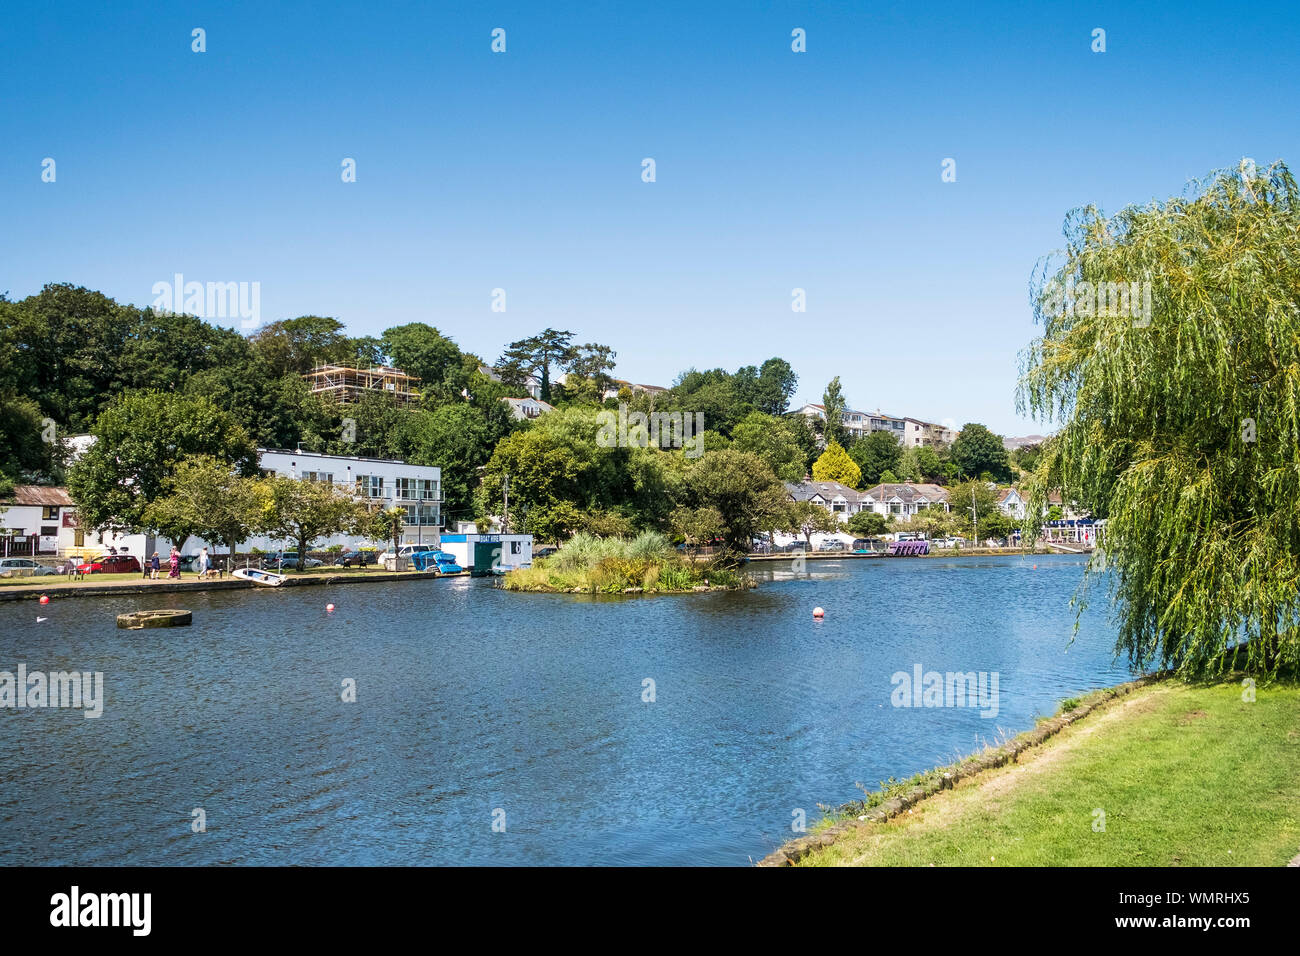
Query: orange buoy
(818, 612)
(329, 607)
(45, 599)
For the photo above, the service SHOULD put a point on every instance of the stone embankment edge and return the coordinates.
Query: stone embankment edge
(795, 850)
(18, 593)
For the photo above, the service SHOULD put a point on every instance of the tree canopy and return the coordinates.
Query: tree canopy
(836, 465)
(1181, 424)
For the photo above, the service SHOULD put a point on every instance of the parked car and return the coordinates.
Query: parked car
(405, 551)
(289, 559)
(111, 564)
(795, 546)
(544, 552)
(356, 559)
(831, 545)
(861, 545)
(25, 565)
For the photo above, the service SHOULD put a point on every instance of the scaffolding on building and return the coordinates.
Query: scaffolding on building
(346, 383)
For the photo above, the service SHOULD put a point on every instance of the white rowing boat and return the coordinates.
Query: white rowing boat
(257, 576)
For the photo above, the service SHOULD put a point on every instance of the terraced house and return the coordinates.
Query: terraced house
(906, 498)
(840, 500)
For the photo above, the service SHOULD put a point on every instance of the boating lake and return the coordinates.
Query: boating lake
(471, 700)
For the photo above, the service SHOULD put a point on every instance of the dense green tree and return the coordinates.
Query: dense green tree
(1181, 421)
(306, 511)
(141, 438)
(972, 500)
(713, 393)
(537, 355)
(63, 348)
(867, 524)
(834, 402)
(1026, 457)
(774, 386)
(806, 517)
(929, 465)
(875, 454)
(592, 365)
(978, 453)
(164, 349)
(26, 456)
(421, 350)
(459, 439)
(743, 490)
(698, 526)
(208, 498)
(774, 440)
(541, 470)
(296, 345)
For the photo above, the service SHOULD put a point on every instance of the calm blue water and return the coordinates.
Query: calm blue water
(472, 699)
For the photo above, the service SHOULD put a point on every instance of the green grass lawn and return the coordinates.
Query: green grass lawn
(1186, 775)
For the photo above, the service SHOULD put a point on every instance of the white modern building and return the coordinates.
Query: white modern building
(381, 481)
(384, 482)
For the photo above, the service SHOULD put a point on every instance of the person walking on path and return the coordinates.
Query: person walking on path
(154, 566)
(201, 564)
(175, 562)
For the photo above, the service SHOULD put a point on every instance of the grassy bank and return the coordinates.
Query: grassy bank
(646, 564)
(1185, 775)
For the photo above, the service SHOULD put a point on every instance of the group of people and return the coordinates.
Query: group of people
(202, 564)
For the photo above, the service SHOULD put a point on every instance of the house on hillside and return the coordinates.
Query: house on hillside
(616, 385)
(532, 383)
(854, 422)
(917, 433)
(1011, 502)
(527, 409)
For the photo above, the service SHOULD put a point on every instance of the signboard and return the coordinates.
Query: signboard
(69, 519)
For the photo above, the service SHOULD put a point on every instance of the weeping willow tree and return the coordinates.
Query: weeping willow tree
(1170, 356)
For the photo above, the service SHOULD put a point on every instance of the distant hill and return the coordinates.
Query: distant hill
(1011, 444)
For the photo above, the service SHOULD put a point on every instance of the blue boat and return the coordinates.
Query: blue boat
(440, 562)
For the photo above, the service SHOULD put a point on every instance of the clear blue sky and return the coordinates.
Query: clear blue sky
(775, 170)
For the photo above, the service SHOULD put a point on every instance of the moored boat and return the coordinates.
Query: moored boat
(267, 579)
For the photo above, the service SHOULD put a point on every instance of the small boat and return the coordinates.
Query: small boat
(267, 579)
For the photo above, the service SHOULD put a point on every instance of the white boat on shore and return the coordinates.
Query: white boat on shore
(267, 579)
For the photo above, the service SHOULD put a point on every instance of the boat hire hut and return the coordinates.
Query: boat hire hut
(489, 553)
